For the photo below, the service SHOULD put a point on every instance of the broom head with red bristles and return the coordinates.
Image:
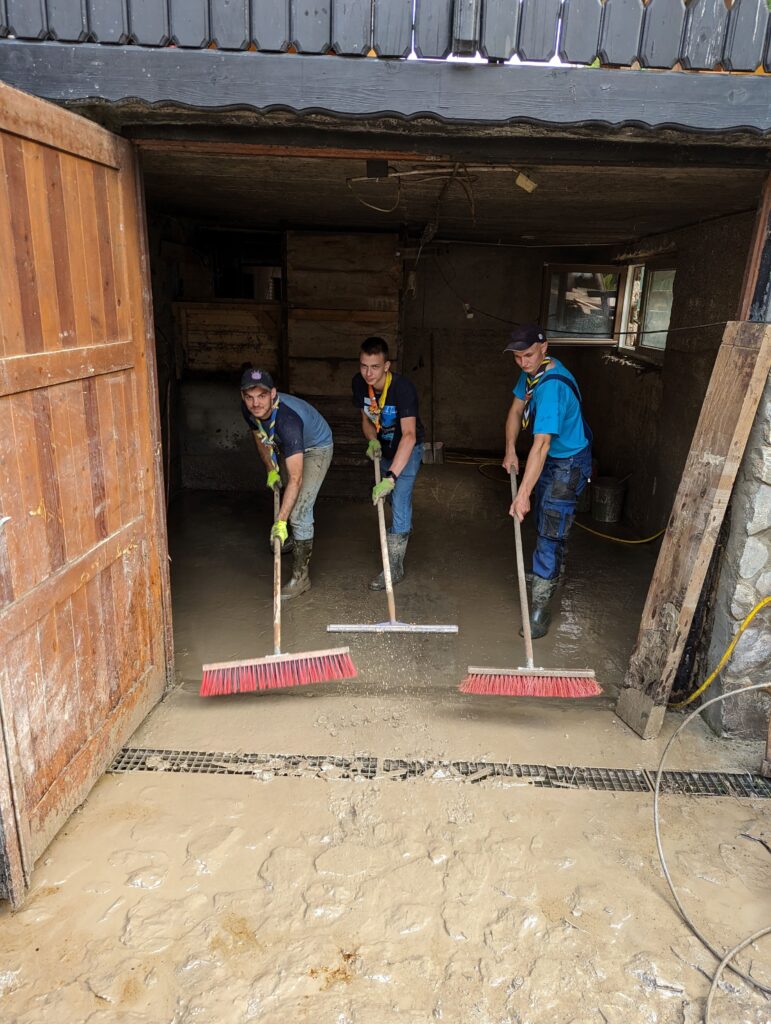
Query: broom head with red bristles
(277, 671)
(529, 682)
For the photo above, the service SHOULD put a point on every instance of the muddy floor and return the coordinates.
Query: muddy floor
(211, 899)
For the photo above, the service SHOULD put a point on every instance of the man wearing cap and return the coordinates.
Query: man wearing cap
(285, 425)
(391, 425)
(559, 465)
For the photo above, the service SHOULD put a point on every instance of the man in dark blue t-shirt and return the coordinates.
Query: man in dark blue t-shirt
(392, 427)
(287, 426)
(559, 466)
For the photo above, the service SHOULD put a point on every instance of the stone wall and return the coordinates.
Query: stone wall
(744, 580)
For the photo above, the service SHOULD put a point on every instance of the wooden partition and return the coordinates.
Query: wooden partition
(84, 625)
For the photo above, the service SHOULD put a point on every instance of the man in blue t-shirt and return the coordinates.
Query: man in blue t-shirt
(287, 426)
(559, 466)
(391, 425)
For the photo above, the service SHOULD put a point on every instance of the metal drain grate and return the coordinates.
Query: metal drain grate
(742, 784)
(319, 766)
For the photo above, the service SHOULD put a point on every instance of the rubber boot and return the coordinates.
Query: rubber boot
(540, 615)
(397, 548)
(300, 581)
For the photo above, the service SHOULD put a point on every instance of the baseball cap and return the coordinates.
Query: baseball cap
(525, 336)
(252, 378)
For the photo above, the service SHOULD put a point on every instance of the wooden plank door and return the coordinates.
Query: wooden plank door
(84, 625)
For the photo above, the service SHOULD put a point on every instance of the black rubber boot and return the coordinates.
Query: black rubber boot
(397, 547)
(540, 615)
(300, 581)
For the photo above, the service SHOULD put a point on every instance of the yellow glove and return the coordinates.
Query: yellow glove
(374, 451)
(380, 490)
(274, 478)
(279, 530)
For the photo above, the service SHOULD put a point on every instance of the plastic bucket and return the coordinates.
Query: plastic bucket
(607, 499)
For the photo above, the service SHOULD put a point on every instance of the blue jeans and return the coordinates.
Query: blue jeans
(401, 495)
(554, 508)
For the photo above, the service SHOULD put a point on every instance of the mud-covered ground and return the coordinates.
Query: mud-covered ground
(200, 899)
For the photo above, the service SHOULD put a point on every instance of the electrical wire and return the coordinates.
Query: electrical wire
(723, 960)
(573, 334)
(727, 654)
(469, 460)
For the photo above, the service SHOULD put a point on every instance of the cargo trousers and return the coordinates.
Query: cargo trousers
(554, 508)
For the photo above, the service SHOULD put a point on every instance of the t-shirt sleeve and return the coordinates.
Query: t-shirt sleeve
(290, 433)
(406, 399)
(357, 389)
(520, 387)
(550, 409)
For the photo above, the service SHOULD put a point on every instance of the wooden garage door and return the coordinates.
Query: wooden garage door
(83, 627)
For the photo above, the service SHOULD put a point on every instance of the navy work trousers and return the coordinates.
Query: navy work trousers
(554, 507)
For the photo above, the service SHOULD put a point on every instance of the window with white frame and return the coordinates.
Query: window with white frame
(647, 307)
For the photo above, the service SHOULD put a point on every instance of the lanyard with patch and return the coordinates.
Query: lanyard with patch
(376, 404)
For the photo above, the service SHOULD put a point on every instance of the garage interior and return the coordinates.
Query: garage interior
(289, 261)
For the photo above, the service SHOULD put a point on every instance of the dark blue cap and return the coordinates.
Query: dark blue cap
(524, 337)
(252, 378)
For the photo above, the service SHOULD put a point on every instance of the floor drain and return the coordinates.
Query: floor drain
(265, 766)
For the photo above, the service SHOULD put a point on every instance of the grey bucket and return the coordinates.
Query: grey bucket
(607, 499)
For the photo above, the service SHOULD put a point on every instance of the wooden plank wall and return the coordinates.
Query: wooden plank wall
(698, 34)
(82, 546)
(341, 288)
(215, 337)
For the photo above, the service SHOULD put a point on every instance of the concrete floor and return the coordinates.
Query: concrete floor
(194, 899)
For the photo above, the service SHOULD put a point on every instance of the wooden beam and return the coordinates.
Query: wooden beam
(42, 369)
(755, 299)
(470, 93)
(732, 399)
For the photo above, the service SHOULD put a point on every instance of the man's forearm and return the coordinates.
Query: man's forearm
(289, 497)
(264, 452)
(403, 453)
(534, 466)
(513, 426)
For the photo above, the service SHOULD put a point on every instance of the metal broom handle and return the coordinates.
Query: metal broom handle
(384, 549)
(276, 576)
(521, 577)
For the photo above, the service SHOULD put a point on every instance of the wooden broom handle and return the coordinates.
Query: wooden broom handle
(384, 549)
(524, 608)
(276, 577)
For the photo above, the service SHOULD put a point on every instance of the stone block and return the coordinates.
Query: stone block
(743, 601)
(763, 585)
(753, 651)
(759, 463)
(759, 510)
(754, 557)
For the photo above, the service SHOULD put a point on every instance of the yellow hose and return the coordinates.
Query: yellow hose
(619, 540)
(726, 655)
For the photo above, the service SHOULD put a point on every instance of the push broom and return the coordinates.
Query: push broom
(392, 625)
(277, 670)
(529, 681)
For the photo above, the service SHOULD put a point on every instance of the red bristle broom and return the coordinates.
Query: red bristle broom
(529, 681)
(277, 670)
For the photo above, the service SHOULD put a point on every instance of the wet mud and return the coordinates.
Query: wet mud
(198, 899)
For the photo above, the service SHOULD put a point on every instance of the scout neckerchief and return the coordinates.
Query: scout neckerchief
(268, 437)
(376, 404)
(531, 384)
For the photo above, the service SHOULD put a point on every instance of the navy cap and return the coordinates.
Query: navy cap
(252, 378)
(523, 337)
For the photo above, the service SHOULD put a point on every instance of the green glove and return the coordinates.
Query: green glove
(374, 451)
(279, 530)
(274, 478)
(380, 490)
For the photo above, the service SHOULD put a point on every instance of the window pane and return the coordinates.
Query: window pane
(582, 303)
(658, 308)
